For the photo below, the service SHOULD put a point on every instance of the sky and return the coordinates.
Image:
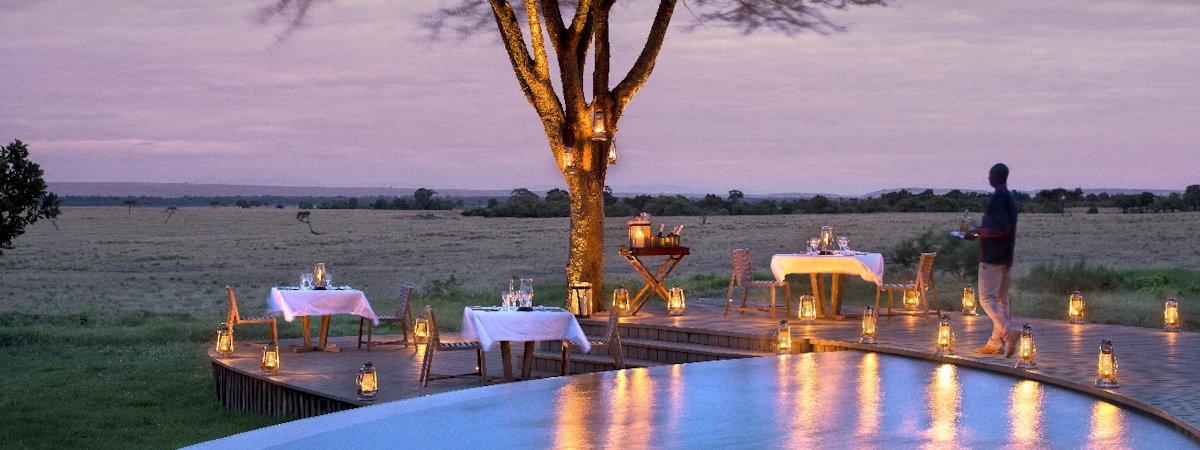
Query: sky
(1088, 93)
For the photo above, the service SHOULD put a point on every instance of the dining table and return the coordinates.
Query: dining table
(866, 265)
(492, 325)
(291, 303)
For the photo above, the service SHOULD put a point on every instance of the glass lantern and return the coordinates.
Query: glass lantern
(969, 305)
(912, 300)
(612, 153)
(676, 303)
(1106, 366)
(783, 337)
(224, 345)
(270, 358)
(320, 279)
(1171, 315)
(639, 231)
(580, 303)
(599, 126)
(368, 382)
(621, 299)
(945, 337)
(869, 331)
(1026, 349)
(1075, 310)
(826, 237)
(808, 310)
(568, 160)
(421, 330)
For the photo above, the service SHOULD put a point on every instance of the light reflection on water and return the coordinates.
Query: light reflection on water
(1107, 426)
(943, 406)
(1026, 414)
(869, 395)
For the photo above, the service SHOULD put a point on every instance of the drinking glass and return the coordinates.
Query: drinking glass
(843, 243)
(306, 281)
(813, 244)
(506, 301)
(329, 281)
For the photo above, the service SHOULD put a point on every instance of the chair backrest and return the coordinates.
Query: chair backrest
(403, 310)
(741, 266)
(233, 315)
(612, 337)
(925, 271)
(611, 330)
(434, 339)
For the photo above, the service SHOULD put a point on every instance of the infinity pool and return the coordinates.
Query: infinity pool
(836, 399)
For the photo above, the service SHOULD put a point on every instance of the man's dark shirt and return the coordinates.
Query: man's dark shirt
(1000, 229)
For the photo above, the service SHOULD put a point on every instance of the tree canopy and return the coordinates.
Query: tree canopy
(23, 195)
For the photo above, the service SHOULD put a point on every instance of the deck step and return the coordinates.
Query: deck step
(725, 340)
(547, 361)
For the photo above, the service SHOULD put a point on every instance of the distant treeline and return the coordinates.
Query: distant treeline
(422, 199)
(524, 203)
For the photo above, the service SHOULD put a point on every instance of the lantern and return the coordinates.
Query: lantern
(1171, 315)
(676, 302)
(612, 153)
(945, 337)
(964, 224)
(1075, 308)
(319, 274)
(599, 127)
(568, 160)
(868, 326)
(826, 237)
(580, 293)
(270, 358)
(808, 310)
(421, 330)
(368, 382)
(639, 231)
(969, 305)
(1026, 349)
(783, 337)
(224, 346)
(1106, 367)
(912, 299)
(621, 299)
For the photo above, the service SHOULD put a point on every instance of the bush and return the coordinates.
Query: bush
(1063, 277)
(955, 256)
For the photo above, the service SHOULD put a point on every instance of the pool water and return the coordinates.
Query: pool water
(842, 399)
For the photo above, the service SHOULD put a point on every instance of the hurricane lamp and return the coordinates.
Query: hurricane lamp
(639, 231)
(945, 337)
(969, 305)
(421, 330)
(826, 238)
(1171, 315)
(1106, 367)
(783, 337)
(1075, 310)
(568, 160)
(1026, 349)
(224, 345)
(676, 302)
(612, 153)
(869, 331)
(599, 126)
(621, 299)
(368, 382)
(808, 310)
(580, 303)
(912, 299)
(270, 358)
(320, 276)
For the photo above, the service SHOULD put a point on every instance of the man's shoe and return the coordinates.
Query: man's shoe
(1011, 338)
(988, 350)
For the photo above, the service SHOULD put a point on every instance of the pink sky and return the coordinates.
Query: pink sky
(931, 93)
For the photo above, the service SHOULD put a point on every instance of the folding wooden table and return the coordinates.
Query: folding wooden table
(655, 280)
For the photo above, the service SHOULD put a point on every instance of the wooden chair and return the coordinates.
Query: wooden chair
(923, 285)
(611, 340)
(741, 277)
(402, 316)
(234, 317)
(436, 345)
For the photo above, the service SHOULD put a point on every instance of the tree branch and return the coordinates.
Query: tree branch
(640, 72)
(540, 64)
(538, 91)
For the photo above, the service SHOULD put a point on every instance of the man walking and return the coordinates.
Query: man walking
(997, 236)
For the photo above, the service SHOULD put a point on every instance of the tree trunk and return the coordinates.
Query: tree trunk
(585, 261)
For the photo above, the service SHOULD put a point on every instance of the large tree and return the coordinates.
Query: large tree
(568, 114)
(23, 195)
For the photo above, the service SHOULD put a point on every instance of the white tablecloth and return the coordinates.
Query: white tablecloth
(293, 302)
(489, 327)
(867, 266)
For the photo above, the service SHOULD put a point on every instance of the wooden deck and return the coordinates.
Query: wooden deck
(1157, 370)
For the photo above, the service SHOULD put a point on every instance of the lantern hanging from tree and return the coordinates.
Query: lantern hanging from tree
(421, 330)
(868, 326)
(639, 231)
(676, 303)
(224, 344)
(1026, 349)
(599, 127)
(1171, 315)
(368, 382)
(969, 305)
(945, 337)
(580, 303)
(1106, 366)
(1075, 308)
(783, 337)
(568, 160)
(621, 299)
(808, 310)
(612, 153)
(270, 358)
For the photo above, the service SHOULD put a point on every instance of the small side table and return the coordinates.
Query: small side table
(655, 280)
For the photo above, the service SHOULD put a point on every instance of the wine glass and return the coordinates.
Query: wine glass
(813, 244)
(306, 281)
(843, 244)
(329, 281)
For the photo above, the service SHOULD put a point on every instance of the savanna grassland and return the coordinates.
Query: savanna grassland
(104, 319)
